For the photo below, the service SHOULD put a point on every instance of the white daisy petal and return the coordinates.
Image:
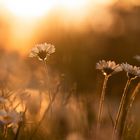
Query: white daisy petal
(108, 67)
(132, 71)
(42, 51)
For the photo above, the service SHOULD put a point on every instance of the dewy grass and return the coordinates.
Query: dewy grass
(108, 68)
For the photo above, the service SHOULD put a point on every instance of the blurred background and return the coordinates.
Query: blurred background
(83, 32)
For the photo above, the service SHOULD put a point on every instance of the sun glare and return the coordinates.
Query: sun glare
(37, 8)
(28, 8)
(26, 15)
(72, 4)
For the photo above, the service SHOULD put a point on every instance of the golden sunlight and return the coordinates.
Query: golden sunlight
(28, 15)
(37, 8)
(72, 4)
(28, 8)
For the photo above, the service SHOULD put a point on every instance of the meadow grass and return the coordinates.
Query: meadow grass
(58, 112)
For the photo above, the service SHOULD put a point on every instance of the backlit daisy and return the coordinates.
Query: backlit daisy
(132, 71)
(42, 51)
(108, 67)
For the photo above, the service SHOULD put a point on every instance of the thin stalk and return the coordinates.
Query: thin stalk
(120, 109)
(48, 79)
(18, 131)
(101, 103)
(40, 101)
(131, 101)
(134, 95)
(109, 113)
(5, 131)
(123, 116)
(45, 114)
(20, 126)
(48, 83)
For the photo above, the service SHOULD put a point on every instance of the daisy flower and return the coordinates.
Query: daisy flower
(108, 67)
(10, 117)
(42, 51)
(137, 57)
(132, 71)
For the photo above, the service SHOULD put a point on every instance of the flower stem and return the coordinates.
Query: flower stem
(119, 113)
(131, 101)
(45, 114)
(132, 98)
(20, 125)
(101, 103)
(48, 79)
(18, 131)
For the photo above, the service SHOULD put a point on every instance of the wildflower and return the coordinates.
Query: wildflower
(132, 71)
(42, 51)
(137, 57)
(108, 67)
(10, 118)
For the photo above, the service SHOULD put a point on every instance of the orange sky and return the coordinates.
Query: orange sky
(20, 19)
